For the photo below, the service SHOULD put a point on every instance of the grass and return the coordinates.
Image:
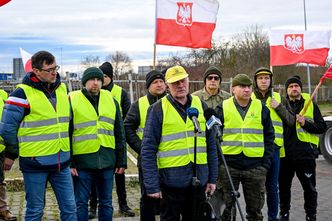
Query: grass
(325, 108)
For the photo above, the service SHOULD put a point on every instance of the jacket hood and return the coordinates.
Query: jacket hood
(256, 90)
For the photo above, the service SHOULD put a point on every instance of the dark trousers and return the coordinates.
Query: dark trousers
(181, 201)
(305, 171)
(148, 206)
(120, 190)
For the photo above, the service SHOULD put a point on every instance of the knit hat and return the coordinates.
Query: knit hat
(212, 70)
(107, 69)
(263, 70)
(175, 73)
(92, 72)
(241, 79)
(293, 79)
(153, 75)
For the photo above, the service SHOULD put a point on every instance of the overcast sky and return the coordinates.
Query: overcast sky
(80, 28)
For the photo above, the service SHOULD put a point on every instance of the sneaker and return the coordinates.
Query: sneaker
(125, 209)
(92, 213)
(284, 217)
(7, 215)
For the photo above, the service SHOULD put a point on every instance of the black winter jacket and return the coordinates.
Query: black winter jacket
(132, 123)
(296, 149)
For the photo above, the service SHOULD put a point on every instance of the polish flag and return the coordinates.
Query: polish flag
(3, 2)
(26, 58)
(186, 23)
(291, 47)
(327, 75)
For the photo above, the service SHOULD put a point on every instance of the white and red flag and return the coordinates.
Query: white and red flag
(186, 23)
(3, 2)
(291, 47)
(26, 58)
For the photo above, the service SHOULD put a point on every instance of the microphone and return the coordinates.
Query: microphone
(212, 121)
(193, 114)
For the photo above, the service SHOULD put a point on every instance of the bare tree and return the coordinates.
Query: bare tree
(121, 63)
(90, 61)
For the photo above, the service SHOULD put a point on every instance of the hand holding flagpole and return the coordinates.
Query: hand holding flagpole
(328, 74)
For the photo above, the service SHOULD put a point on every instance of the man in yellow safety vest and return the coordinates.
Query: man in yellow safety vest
(168, 149)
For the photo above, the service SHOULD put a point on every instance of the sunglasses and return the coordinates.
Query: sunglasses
(216, 78)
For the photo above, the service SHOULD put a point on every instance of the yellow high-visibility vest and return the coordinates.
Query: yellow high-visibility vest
(45, 130)
(2, 104)
(143, 105)
(116, 92)
(176, 147)
(243, 135)
(302, 134)
(276, 121)
(92, 130)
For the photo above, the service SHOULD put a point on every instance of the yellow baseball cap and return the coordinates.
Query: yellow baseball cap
(175, 74)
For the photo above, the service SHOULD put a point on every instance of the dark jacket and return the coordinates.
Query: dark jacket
(14, 112)
(104, 157)
(283, 109)
(133, 120)
(177, 177)
(242, 162)
(296, 149)
(125, 102)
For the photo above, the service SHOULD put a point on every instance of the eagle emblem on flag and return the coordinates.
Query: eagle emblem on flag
(184, 13)
(294, 43)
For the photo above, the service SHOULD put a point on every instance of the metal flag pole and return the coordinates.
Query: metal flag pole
(308, 68)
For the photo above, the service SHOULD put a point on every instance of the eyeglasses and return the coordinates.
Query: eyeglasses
(216, 78)
(56, 68)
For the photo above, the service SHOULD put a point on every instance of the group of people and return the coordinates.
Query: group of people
(77, 143)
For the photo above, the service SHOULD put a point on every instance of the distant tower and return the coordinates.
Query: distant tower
(18, 69)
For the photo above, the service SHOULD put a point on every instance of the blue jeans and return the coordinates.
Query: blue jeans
(104, 185)
(35, 188)
(271, 184)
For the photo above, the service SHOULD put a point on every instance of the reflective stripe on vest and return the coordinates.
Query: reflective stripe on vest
(302, 134)
(116, 92)
(243, 135)
(276, 122)
(143, 106)
(92, 131)
(176, 147)
(45, 130)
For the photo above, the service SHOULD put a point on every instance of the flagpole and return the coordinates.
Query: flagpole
(155, 36)
(305, 28)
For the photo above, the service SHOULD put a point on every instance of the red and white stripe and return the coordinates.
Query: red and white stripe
(315, 48)
(18, 102)
(196, 35)
(26, 58)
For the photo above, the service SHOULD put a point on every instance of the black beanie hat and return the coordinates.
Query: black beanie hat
(293, 79)
(151, 76)
(92, 72)
(107, 69)
(212, 70)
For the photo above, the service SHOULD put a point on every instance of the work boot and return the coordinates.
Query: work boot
(7, 215)
(310, 217)
(92, 212)
(284, 217)
(125, 209)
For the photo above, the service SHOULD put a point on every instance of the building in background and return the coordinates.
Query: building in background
(6, 76)
(18, 69)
